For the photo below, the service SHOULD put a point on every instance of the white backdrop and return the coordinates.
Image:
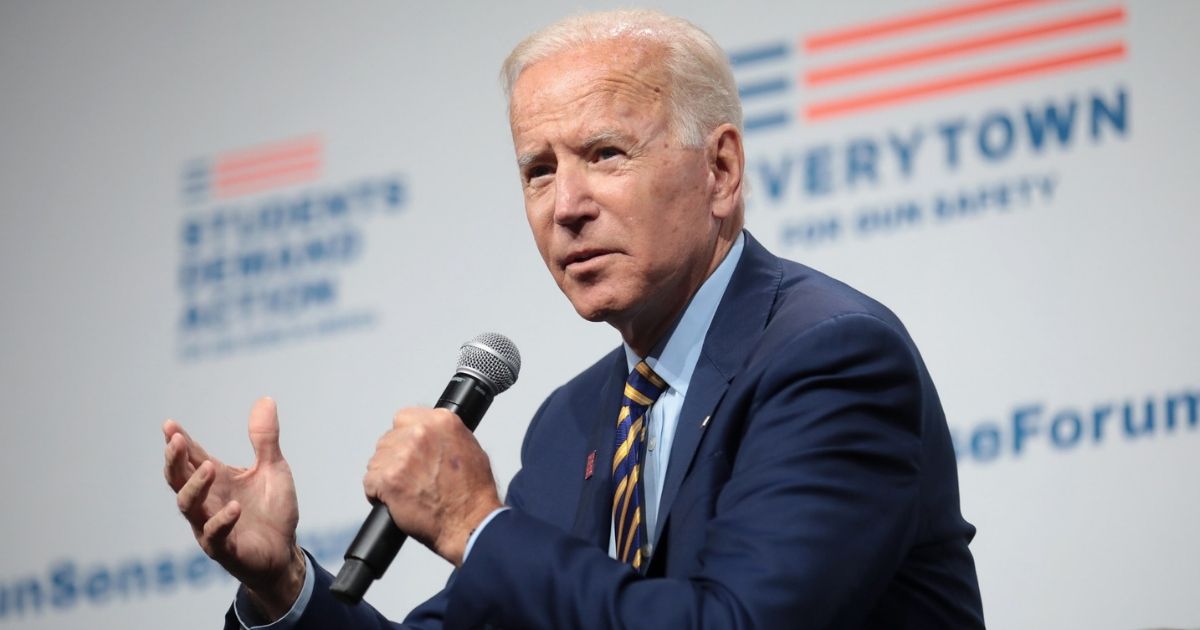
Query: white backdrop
(208, 202)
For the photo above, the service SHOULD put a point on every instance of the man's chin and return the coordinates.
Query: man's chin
(597, 303)
(615, 315)
(593, 314)
(597, 310)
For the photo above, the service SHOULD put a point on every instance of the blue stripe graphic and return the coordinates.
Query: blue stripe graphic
(764, 88)
(196, 180)
(766, 52)
(765, 121)
(195, 168)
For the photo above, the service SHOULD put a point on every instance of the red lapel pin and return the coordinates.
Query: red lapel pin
(591, 466)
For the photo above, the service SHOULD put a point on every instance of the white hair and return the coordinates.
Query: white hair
(701, 91)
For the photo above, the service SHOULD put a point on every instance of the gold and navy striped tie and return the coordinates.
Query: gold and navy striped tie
(629, 527)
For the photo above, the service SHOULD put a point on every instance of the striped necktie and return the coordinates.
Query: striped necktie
(629, 527)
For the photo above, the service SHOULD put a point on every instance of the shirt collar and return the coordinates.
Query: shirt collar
(681, 352)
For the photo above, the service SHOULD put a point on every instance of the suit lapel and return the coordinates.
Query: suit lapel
(704, 392)
(739, 321)
(593, 514)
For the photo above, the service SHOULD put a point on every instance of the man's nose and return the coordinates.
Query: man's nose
(573, 201)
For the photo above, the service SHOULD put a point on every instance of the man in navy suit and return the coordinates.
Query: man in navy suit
(792, 468)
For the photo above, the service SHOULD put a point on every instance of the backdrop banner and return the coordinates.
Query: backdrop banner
(204, 203)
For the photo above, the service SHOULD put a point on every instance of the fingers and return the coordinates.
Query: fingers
(378, 465)
(195, 453)
(419, 435)
(192, 495)
(264, 431)
(177, 469)
(216, 530)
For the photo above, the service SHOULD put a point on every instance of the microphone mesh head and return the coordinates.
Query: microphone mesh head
(493, 358)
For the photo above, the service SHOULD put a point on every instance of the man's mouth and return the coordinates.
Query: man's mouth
(579, 259)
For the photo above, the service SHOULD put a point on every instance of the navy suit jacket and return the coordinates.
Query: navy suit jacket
(812, 484)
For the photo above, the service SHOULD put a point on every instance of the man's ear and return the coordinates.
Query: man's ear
(727, 165)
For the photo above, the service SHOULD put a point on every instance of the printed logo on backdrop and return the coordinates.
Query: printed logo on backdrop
(72, 584)
(853, 117)
(1042, 427)
(266, 243)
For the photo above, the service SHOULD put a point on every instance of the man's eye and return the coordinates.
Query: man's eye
(535, 172)
(605, 153)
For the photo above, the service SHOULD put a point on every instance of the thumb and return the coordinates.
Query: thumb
(264, 431)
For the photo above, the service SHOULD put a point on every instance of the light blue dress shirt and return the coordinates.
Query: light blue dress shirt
(675, 364)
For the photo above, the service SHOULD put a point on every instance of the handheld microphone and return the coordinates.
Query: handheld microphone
(487, 365)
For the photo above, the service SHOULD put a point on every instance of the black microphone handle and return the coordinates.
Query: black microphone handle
(378, 540)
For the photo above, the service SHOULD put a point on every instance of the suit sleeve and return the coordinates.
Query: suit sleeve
(815, 518)
(324, 611)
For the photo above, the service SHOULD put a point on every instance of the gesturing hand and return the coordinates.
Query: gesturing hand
(244, 518)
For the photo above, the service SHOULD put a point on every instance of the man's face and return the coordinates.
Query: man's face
(619, 208)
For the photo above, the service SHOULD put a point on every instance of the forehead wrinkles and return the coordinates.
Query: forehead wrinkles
(569, 86)
(614, 97)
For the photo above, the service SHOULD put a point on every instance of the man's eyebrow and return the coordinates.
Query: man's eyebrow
(525, 159)
(605, 136)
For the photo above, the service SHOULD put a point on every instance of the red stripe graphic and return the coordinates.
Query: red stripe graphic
(260, 185)
(273, 172)
(268, 166)
(1095, 19)
(893, 26)
(280, 151)
(894, 96)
